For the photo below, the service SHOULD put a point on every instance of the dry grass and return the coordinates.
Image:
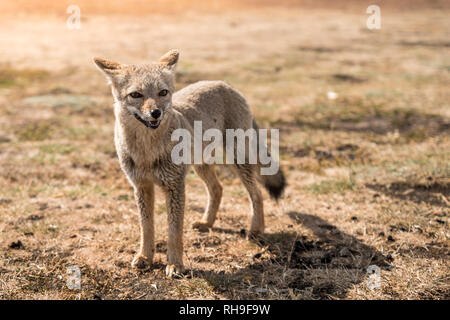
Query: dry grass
(368, 173)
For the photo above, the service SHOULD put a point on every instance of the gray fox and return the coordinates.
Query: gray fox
(147, 111)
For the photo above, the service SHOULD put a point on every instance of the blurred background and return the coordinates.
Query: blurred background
(364, 123)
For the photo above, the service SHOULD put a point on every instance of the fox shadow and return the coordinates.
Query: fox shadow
(432, 193)
(320, 268)
(409, 124)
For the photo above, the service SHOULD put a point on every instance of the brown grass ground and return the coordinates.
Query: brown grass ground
(368, 173)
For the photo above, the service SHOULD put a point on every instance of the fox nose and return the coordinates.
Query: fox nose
(155, 113)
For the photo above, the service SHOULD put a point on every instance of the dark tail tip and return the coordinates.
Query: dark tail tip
(276, 186)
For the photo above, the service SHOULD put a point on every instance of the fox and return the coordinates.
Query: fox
(147, 111)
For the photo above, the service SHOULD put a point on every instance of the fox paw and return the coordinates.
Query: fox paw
(173, 270)
(141, 262)
(201, 226)
(255, 236)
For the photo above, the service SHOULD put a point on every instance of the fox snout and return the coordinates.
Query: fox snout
(155, 113)
(151, 118)
(151, 110)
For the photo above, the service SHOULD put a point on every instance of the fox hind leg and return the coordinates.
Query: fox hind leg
(214, 189)
(247, 174)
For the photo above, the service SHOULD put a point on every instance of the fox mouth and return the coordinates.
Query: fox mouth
(153, 124)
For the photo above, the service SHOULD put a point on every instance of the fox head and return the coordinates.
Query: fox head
(142, 91)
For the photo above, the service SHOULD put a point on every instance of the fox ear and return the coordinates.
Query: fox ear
(170, 59)
(108, 67)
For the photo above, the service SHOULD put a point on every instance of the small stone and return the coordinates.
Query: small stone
(4, 139)
(35, 217)
(5, 201)
(17, 245)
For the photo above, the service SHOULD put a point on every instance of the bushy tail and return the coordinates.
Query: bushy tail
(274, 184)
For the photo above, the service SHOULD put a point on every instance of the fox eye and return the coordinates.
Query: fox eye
(136, 95)
(163, 93)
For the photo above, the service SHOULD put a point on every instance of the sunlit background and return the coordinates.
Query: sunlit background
(364, 121)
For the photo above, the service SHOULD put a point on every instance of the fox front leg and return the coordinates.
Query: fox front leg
(145, 199)
(175, 200)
